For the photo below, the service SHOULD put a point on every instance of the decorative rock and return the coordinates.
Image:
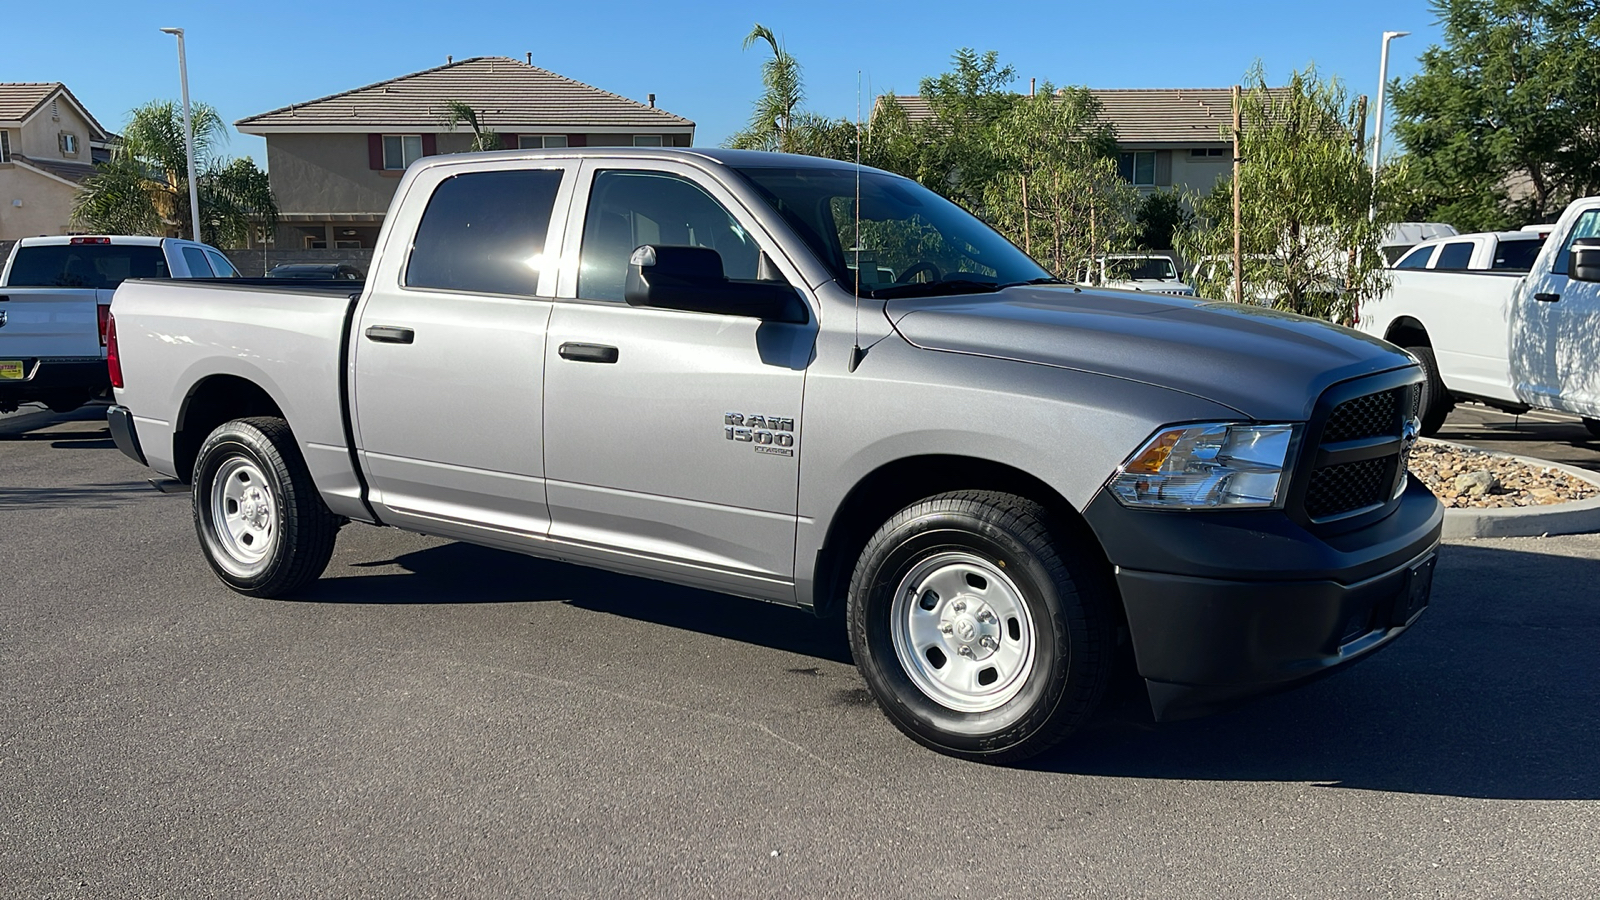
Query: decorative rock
(1456, 475)
(1476, 484)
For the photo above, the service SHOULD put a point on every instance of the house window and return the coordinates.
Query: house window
(647, 140)
(1139, 167)
(5, 146)
(69, 143)
(401, 150)
(1206, 152)
(538, 141)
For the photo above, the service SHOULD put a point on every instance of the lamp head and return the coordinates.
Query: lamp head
(176, 31)
(1389, 35)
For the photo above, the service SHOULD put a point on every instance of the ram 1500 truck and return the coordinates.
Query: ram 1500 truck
(721, 368)
(54, 296)
(1514, 340)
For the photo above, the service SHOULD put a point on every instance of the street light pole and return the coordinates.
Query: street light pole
(1377, 133)
(188, 134)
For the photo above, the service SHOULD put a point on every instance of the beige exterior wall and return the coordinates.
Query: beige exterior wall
(46, 203)
(41, 134)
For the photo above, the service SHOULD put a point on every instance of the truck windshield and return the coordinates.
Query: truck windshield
(906, 240)
(1141, 269)
(98, 266)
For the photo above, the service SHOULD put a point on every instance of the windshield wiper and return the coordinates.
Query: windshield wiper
(934, 288)
(1048, 279)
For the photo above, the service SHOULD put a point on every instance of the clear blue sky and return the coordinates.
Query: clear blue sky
(247, 58)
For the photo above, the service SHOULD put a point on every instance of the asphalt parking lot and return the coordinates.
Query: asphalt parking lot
(1556, 437)
(436, 719)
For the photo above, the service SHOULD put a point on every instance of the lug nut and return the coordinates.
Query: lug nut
(965, 651)
(946, 627)
(986, 616)
(987, 642)
(960, 606)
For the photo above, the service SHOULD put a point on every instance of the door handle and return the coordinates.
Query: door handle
(598, 353)
(390, 334)
(1547, 298)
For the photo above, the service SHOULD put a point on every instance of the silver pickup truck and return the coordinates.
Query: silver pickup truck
(795, 380)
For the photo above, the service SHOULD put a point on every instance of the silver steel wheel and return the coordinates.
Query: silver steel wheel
(961, 630)
(244, 516)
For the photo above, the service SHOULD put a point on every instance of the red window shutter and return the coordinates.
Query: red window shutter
(577, 140)
(508, 141)
(430, 145)
(374, 151)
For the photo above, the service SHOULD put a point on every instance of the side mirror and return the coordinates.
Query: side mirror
(1585, 263)
(691, 279)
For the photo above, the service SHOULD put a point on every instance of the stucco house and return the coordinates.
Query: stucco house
(1167, 139)
(48, 144)
(334, 162)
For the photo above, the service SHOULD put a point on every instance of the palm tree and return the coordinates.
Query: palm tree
(144, 188)
(772, 122)
(457, 113)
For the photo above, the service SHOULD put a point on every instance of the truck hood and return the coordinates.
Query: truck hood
(1268, 365)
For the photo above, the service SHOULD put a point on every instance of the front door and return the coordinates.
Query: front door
(1556, 343)
(449, 358)
(673, 439)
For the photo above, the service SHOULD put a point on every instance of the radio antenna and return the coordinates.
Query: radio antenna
(856, 353)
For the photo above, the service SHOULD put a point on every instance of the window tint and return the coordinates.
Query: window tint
(1588, 225)
(484, 232)
(1456, 255)
(220, 265)
(627, 209)
(195, 259)
(1517, 254)
(1416, 259)
(99, 266)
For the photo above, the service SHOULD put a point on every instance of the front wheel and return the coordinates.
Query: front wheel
(1435, 403)
(979, 632)
(264, 529)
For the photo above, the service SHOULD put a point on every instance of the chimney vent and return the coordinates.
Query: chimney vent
(530, 57)
(652, 100)
(449, 60)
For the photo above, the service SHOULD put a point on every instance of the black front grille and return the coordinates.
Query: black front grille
(1364, 417)
(1348, 486)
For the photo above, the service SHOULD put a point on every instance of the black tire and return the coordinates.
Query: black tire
(1593, 425)
(281, 535)
(1065, 613)
(1436, 402)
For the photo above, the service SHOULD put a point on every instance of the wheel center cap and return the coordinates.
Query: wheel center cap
(966, 629)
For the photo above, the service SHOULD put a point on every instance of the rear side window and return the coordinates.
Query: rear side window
(1457, 255)
(99, 266)
(484, 232)
(1416, 259)
(195, 259)
(1517, 254)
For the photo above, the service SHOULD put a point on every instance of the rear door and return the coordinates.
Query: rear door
(672, 438)
(448, 369)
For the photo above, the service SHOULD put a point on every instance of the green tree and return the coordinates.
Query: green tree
(1161, 218)
(777, 122)
(1307, 237)
(144, 188)
(457, 113)
(1502, 124)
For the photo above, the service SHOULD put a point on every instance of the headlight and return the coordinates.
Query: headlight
(1206, 467)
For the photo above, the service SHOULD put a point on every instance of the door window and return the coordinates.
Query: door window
(629, 209)
(484, 232)
(221, 266)
(1456, 255)
(195, 259)
(1588, 225)
(1416, 259)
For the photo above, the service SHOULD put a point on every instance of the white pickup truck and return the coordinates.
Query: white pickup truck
(1514, 250)
(1511, 339)
(54, 296)
(1152, 272)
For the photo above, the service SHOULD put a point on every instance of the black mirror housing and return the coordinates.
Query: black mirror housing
(1585, 263)
(691, 279)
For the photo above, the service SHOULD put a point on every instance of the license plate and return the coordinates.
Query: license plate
(11, 370)
(1419, 585)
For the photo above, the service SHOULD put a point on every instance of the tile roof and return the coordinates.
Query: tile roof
(1143, 115)
(508, 95)
(18, 100)
(71, 171)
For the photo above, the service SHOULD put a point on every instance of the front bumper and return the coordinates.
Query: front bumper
(1223, 606)
(53, 377)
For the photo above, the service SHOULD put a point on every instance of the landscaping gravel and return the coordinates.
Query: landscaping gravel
(1463, 478)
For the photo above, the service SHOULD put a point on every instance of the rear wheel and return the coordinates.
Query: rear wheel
(1436, 402)
(264, 529)
(977, 630)
(1593, 425)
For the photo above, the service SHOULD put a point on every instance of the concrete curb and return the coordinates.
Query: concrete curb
(1578, 517)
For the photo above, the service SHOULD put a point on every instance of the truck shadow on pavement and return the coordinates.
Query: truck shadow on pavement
(464, 573)
(1495, 694)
